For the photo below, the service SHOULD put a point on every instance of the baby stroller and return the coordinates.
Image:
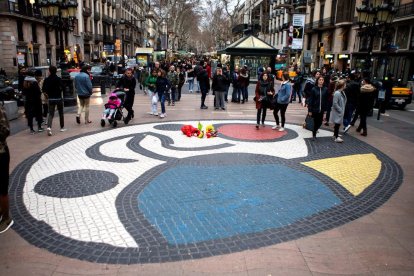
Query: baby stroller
(118, 114)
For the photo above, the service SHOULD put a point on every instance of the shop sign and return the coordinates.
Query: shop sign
(328, 56)
(21, 49)
(343, 56)
(298, 26)
(20, 59)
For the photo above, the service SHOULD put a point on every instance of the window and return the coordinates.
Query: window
(47, 35)
(403, 36)
(34, 33)
(20, 30)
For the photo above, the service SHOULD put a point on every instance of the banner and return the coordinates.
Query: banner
(298, 30)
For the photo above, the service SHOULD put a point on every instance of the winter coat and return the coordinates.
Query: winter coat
(318, 99)
(32, 93)
(173, 78)
(83, 85)
(4, 129)
(113, 102)
(52, 86)
(366, 98)
(262, 89)
(352, 91)
(219, 83)
(162, 86)
(143, 76)
(128, 83)
(243, 80)
(338, 107)
(150, 82)
(283, 96)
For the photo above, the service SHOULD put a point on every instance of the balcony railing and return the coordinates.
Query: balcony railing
(108, 38)
(86, 12)
(107, 19)
(324, 24)
(22, 8)
(96, 16)
(87, 36)
(98, 38)
(405, 10)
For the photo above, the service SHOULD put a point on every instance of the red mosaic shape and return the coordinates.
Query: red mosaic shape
(250, 132)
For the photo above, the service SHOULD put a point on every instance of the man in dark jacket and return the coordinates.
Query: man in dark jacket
(52, 86)
(128, 83)
(202, 77)
(219, 87)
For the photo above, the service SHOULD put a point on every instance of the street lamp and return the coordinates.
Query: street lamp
(373, 16)
(60, 15)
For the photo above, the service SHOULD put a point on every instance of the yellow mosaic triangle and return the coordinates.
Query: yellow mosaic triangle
(354, 172)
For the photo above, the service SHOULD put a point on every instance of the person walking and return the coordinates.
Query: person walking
(331, 90)
(352, 91)
(181, 81)
(219, 87)
(226, 73)
(172, 77)
(365, 103)
(235, 82)
(52, 87)
(83, 86)
(190, 76)
(43, 96)
(243, 81)
(282, 102)
(33, 102)
(204, 81)
(338, 108)
(297, 85)
(142, 78)
(151, 82)
(264, 92)
(161, 87)
(128, 84)
(317, 103)
(309, 84)
(5, 220)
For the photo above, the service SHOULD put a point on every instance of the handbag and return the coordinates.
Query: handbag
(309, 122)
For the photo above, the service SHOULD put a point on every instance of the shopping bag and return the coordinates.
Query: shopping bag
(308, 124)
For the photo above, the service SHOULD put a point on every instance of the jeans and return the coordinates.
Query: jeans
(162, 96)
(349, 110)
(153, 105)
(52, 107)
(245, 93)
(171, 97)
(282, 108)
(108, 113)
(204, 91)
(190, 84)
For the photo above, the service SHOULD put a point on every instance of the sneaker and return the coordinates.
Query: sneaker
(63, 129)
(32, 131)
(5, 225)
(173, 104)
(338, 140)
(347, 128)
(223, 108)
(216, 108)
(282, 129)
(203, 107)
(162, 115)
(78, 119)
(155, 113)
(257, 126)
(49, 131)
(102, 122)
(276, 127)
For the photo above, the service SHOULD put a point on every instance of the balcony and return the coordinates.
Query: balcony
(309, 28)
(299, 4)
(406, 10)
(96, 16)
(324, 24)
(98, 38)
(107, 19)
(86, 12)
(108, 38)
(87, 36)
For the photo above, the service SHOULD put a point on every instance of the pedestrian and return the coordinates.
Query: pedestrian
(219, 87)
(43, 95)
(243, 82)
(234, 81)
(204, 81)
(5, 220)
(309, 84)
(33, 102)
(83, 86)
(162, 86)
(190, 76)
(317, 103)
(338, 108)
(128, 84)
(264, 93)
(282, 102)
(297, 87)
(142, 78)
(151, 83)
(226, 73)
(172, 77)
(331, 90)
(181, 81)
(365, 103)
(53, 88)
(352, 91)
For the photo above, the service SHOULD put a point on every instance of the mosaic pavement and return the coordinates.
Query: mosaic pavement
(147, 193)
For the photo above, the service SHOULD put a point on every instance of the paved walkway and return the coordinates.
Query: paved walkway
(144, 199)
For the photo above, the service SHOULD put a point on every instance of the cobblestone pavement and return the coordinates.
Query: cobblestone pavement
(145, 199)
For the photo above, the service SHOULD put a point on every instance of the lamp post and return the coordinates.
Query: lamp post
(373, 16)
(60, 15)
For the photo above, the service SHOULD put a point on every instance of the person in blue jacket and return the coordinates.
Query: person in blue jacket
(282, 102)
(83, 86)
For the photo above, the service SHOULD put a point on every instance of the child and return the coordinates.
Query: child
(113, 103)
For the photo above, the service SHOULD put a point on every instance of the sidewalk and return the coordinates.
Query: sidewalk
(145, 200)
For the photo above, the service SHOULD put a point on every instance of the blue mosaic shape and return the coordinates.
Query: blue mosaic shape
(189, 204)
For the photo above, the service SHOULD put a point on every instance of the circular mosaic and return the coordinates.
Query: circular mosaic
(147, 193)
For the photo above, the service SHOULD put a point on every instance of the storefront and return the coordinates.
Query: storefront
(343, 62)
(328, 60)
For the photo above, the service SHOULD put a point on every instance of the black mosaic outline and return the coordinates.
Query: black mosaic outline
(72, 184)
(42, 235)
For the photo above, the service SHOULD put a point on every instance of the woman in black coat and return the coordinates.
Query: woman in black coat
(128, 83)
(317, 104)
(33, 102)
